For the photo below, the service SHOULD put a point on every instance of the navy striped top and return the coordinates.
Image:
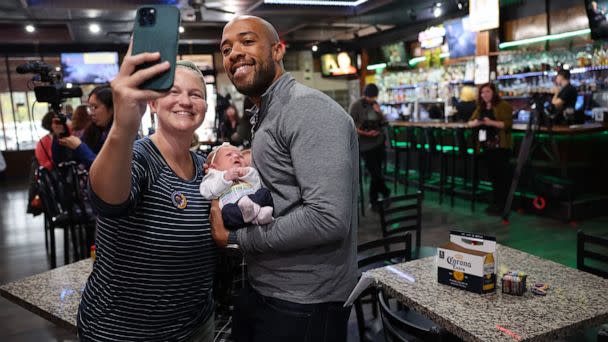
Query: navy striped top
(153, 276)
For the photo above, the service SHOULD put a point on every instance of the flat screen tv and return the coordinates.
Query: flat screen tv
(395, 55)
(596, 13)
(341, 64)
(461, 40)
(89, 67)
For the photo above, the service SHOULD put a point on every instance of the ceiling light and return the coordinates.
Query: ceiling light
(94, 28)
(30, 28)
(460, 5)
(438, 4)
(315, 48)
(181, 29)
(437, 12)
(556, 36)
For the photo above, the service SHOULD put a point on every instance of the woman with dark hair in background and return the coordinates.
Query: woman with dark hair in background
(102, 115)
(80, 121)
(494, 118)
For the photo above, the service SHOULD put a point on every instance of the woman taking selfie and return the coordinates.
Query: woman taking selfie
(153, 274)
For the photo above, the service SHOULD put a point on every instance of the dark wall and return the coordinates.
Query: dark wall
(17, 165)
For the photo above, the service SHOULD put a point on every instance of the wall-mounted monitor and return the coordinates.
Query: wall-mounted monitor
(339, 64)
(596, 12)
(461, 40)
(89, 67)
(395, 55)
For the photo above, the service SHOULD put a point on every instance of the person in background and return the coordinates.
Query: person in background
(80, 121)
(102, 115)
(229, 127)
(303, 265)
(369, 121)
(46, 153)
(466, 104)
(564, 97)
(69, 111)
(494, 118)
(153, 275)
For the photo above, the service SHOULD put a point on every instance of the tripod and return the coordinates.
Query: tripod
(528, 146)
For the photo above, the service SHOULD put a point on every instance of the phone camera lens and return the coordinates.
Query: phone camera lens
(147, 17)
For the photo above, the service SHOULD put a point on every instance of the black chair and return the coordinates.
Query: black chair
(374, 254)
(400, 139)
(400, 214)
(81, 214)
(55, 215)
(597, 257)
(407, 325)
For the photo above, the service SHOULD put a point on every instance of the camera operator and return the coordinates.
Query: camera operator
(48, 152)
(102, 113)
(564, 97)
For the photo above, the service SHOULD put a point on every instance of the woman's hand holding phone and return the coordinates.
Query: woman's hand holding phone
(129, 100)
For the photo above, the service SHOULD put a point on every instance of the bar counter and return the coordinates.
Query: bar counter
(560, 129)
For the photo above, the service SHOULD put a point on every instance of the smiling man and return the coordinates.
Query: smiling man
(302, 266)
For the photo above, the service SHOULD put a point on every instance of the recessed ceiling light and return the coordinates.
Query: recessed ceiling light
(94, 28)
(437, 12)
(315, 48)
(30, 28)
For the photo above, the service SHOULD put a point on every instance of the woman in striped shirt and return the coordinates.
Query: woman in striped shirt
(153, 276)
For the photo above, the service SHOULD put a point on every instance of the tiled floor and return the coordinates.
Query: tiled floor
(22, 251)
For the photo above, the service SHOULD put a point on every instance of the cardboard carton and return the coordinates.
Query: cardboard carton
(468, 262)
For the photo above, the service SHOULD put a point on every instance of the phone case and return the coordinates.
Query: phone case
(162, 36)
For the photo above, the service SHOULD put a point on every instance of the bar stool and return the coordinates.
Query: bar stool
(401, 143)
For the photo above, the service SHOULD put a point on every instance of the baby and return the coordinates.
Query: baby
(242, 199)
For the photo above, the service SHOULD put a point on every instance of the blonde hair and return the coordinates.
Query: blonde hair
(468, 94)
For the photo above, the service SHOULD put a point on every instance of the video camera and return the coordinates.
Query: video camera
(56, 91)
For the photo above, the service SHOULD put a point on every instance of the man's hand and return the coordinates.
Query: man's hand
(218, 231)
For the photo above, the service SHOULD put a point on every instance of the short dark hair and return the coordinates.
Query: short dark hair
(370, 90)
(564, 73)
(47, 121)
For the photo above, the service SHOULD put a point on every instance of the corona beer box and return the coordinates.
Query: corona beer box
(468, 262)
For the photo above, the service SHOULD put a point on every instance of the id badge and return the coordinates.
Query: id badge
(482, 135)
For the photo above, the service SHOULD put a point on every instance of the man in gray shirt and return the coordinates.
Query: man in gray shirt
(303, 265)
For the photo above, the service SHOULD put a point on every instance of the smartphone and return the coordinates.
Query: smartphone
(156, 29)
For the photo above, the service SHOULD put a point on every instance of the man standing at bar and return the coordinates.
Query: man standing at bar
(564, 97)
(302, 266)
(369, 121)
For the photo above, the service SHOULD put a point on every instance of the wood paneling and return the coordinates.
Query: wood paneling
(571, 19)
(528, 27)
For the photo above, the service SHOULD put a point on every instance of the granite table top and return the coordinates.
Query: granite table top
(54, 295)
(575, 300)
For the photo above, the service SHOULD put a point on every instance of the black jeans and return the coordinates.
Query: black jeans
(259, 318)
(373, 163)
(499, 171)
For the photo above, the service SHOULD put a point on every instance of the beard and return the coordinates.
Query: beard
(263, 75)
